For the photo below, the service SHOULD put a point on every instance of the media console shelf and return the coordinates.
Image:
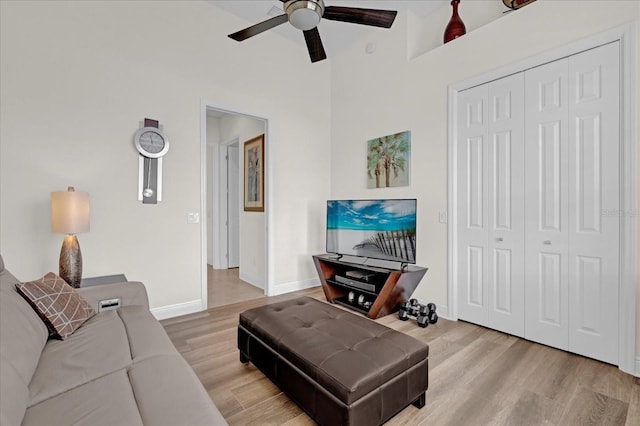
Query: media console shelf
(375, 291)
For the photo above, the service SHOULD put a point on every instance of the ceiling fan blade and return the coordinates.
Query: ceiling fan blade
(258, 28)
(314, 44)
(355, 15)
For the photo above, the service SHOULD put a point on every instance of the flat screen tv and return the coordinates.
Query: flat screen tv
(377, 229)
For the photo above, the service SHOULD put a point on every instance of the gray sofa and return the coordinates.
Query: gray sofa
(118, 368)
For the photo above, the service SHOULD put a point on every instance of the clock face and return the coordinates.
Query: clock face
(151, 142)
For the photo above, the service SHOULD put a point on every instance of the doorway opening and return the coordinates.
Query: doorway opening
(235, 265)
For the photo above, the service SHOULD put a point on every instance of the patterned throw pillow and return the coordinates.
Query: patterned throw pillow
(59, 305)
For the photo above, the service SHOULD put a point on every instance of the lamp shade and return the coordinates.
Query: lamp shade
(70, 212)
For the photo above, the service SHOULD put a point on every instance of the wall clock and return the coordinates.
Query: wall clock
(152, 144)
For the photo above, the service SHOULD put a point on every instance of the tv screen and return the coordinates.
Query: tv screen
(378, 229)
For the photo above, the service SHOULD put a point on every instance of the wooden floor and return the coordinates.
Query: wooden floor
(477, 376)
(225, 287)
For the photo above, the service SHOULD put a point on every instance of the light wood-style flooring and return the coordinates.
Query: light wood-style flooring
(225, 287)
(477, 376)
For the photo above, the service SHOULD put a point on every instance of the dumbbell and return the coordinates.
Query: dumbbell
(431, 314)
(422, 321)
(403, 315)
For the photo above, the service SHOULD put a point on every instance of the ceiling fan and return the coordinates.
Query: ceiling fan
(306, 14)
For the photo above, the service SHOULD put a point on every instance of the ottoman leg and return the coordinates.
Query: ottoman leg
(243, 358)
(421, 401)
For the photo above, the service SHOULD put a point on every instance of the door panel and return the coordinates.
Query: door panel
(546, 264)
(506, 205)
(550, 287)
(594, 181)
(475, 183)
(475, 274)
(472, 207)
(233, 206)
(491, 204)
(550, 193)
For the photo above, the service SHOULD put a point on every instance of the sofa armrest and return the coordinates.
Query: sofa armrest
(129, 293)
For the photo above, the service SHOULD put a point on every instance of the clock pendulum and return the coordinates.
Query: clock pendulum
(152, 144)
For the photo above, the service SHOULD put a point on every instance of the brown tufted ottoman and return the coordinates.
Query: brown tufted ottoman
(341, 368)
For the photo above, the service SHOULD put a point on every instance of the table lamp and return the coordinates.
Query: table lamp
(70, 215)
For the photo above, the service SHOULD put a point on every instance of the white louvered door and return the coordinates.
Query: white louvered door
(537, 199)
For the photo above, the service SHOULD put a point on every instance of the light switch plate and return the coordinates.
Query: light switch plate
(193, 217)
(442, 217)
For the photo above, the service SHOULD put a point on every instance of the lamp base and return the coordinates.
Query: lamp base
(71, 261)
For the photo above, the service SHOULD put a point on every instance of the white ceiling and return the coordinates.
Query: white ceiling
(335, 35)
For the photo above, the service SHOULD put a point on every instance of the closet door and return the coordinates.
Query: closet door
(594, 182)
(491, 204)
(472, 228)
(506, 204)
(573, 185)
(547, 204)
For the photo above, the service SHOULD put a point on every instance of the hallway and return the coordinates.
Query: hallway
(225, 287)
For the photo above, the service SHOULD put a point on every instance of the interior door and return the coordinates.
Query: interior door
(573, 180)
(233, 206)
(472, 229)
(594, 203)
(547, 204)
(506, 204)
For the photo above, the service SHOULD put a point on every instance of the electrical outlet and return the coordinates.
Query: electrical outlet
(442, 217)
(193, 217)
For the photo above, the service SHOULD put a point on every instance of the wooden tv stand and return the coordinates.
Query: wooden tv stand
(381, 290)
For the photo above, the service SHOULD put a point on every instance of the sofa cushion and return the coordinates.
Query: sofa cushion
(109, 341)
(98, 348)
(14, 394)
(58, 304)
(105, 401)
(170, 398)
(22, 337)
(146, 335)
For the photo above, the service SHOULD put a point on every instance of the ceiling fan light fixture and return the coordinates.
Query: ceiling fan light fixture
(304, 14)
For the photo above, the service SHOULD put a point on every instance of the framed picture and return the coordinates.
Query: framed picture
(254, 174)
(389, 160)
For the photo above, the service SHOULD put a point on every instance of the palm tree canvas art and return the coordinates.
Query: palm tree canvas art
(388, 160)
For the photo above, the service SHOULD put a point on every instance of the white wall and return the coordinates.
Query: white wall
(412, 95)
(76, 78)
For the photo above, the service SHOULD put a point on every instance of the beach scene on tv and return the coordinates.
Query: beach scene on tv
(380, 229)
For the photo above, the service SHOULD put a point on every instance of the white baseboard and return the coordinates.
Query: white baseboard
(176, 310)
(637, 373)
(254, 281)
(443, 311)
(294, 286)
